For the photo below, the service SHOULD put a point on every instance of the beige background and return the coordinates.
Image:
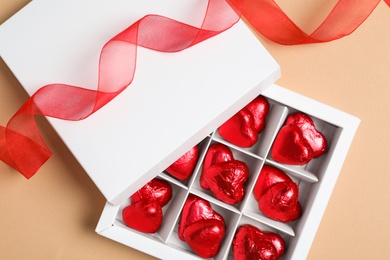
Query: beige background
(53, 215)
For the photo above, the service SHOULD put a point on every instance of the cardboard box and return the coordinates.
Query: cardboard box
(140, 133)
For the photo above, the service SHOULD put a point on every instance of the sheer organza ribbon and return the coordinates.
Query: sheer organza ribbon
(266, 17)
(21, 145)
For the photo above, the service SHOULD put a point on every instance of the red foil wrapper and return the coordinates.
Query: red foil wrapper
(277, 195)
(205, 237)
(280, 202)
(268, 176)
(316, 139)
(244, 127)
(224, 175)
(201, 227)
(145, 216)
(185, 165)
(216, 153)
(157, 189)
(226, 180)
(250, 243)
(298, 141)
(145, 212)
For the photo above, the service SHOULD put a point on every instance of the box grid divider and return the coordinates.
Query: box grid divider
(278, 113)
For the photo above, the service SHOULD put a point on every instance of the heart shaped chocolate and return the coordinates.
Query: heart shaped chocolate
(145, 216)
(185, 165)
(195, 209)
(145, 212)
(280, 202)
(251, 243)
(243, 128)
(224, 175)
(226, 180)
(291, 147)
(205, 236)
(277, 195)
(259, 107)
(157, 189)
(298, 141)
(269, 176)
(316, 139)
(215, 154)
(201, 227)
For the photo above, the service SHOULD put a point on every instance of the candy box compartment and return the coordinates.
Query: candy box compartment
(315, 180)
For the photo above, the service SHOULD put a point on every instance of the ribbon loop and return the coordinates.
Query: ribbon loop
(266, 17)
(21, 145)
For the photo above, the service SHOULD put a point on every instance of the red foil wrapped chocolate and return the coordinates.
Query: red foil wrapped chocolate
(250, 243)
(298, 141)
(277, 195)
(245, 126)
(156, 189)
(224, 176)
(316, 139)
(145, 211)
(201, 227)
(185, 165)
(145, 216)
(216, 153)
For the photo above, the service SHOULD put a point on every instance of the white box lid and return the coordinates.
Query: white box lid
(175, 100)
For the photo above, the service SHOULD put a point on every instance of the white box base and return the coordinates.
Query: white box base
(316, 181)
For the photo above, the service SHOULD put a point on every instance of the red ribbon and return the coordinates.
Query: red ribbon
(21, 145)
(266, 17)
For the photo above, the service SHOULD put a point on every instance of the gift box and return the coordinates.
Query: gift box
(176, 101)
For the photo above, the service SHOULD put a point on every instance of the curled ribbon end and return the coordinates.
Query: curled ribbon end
(22, 153)
(21, 145)
(33, 167)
